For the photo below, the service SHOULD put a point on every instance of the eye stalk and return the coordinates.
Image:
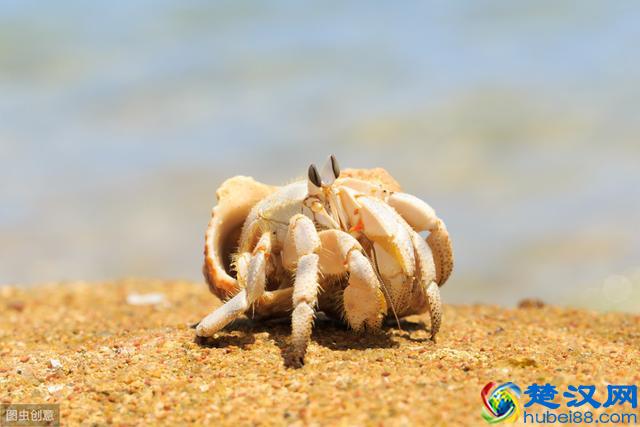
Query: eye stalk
(321, 195)
(335, 166)
(314, 176)
(330, 171)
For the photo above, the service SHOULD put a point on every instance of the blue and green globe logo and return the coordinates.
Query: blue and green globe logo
(501, 403)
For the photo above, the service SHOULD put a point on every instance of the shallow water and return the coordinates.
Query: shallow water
(519, 125)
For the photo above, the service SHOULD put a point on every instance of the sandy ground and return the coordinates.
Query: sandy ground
(127, 365)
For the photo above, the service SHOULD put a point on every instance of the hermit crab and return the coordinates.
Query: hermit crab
(346, 244)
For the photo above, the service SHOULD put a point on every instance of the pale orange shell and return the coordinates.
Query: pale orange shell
(236, 196)
(377, 175)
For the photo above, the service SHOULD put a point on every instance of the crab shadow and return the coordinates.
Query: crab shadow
(327, 332)
(404, 330)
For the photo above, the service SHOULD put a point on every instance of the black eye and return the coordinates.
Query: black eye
(335, 166)
(314, 176)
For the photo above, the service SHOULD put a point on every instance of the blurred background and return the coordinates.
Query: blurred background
(519, 123)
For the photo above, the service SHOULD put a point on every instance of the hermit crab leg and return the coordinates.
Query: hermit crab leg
(273, 304)
(364, 302)
(426, 270)
(252, 271)
(299, 255)
(421, 217)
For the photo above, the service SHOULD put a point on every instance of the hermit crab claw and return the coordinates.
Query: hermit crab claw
(236, 196)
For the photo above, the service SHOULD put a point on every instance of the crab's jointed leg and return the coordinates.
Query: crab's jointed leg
(273, 304)
(422, 217)
(435, 307)
(299, 255)
(251, 269)
(364, 302)
(426, 272)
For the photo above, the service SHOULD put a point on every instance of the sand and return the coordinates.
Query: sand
(129, 364)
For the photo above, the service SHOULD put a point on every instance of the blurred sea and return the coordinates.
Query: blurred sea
(519, 123)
